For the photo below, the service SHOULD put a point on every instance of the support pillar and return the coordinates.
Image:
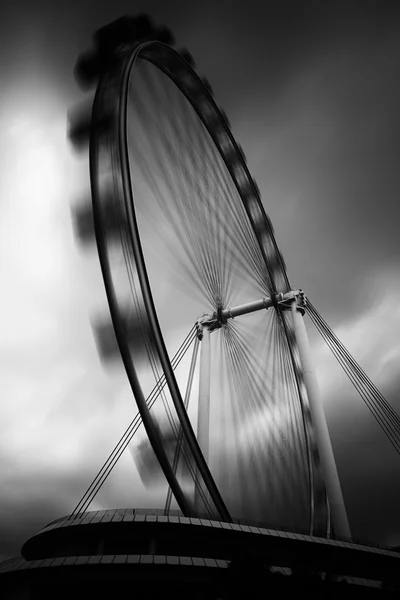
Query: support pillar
(203, 411)
(331, 478)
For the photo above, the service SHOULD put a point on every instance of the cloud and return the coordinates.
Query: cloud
(61, 413)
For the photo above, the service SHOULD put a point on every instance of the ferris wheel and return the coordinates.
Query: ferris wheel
(187, 252)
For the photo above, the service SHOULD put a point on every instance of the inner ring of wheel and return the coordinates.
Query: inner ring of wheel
(171, 63)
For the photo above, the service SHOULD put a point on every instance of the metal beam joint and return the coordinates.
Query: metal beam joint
(221, 316)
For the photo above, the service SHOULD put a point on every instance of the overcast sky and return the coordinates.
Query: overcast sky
(312, 95)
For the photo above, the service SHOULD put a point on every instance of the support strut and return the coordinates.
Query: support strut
(203, 410)
(331, 477)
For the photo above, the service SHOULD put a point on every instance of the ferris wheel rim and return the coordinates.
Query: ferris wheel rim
(100, 237)
(146, 288)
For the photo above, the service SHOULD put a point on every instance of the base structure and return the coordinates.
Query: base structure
(101, 553)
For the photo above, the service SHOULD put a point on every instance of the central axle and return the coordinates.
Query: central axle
(280, 301)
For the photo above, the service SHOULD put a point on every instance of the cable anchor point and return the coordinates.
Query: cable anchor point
(285, 301)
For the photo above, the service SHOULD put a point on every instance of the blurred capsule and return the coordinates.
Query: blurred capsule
(241, 153)
(83, 223)
(207, 85)
(144, 25)
(80, 123)
(164, 35)
(269, 223)
(186, 55)
(137, 332)
(92, 65)
(225, 117)
(146, 461)
(106, 340)
(108, 38)
(125, 30)
(257, 189)
(147, 464)
(88, 69)
(282, 260)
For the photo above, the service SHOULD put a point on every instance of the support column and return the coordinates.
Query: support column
(203, 410)
(331, 478)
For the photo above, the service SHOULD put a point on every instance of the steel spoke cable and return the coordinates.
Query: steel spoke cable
(169, 150)
(296, 443)
(283, 402)
(243, 334)
(236, 410)
(228, 419)
(289, 385)
(201, 274)
(198, 266)
(311, 447)
(248, 391)
(177, 432)
(122, 444)
(118, 451)
(237, 209)
(353, 376)
(246, 360)
(285, 379)
(380, 418)
(283, 485)
(289, 377)
(250, 362)
(208, 245)
(211, 293)
(240, 373)
(365, 382)
(165, 205)
(180, 155)
(135, 423)
(203, 159)
(284, 398)
(245, 393)
(385, 405)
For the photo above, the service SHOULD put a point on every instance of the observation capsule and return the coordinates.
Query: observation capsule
(187, 56)
(137, 331)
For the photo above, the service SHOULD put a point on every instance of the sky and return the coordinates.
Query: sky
(312, 92)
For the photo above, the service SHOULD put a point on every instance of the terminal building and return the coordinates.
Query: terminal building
(139, 553)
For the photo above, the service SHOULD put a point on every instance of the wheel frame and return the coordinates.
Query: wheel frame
(169, 61)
